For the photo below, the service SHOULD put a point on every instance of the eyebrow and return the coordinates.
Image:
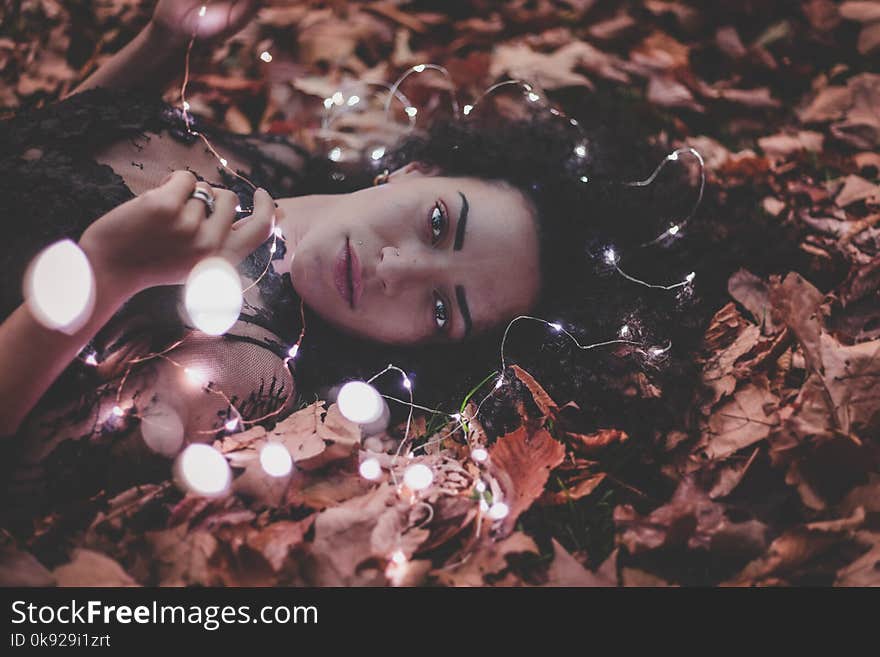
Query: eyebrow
(462, 222)
(463, 308)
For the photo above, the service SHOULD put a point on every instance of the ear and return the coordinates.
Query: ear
(414, 169)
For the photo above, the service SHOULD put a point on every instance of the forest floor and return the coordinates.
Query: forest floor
(774, 476)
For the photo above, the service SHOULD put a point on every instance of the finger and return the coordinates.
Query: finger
(179, 186)
(254, 231)
(195, 211)
(214, 230)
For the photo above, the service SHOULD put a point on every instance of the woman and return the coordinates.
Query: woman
(470, 228)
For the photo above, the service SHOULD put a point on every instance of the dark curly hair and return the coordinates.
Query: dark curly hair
(619, 385)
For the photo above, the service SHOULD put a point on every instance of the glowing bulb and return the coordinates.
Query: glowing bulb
(194, 375)
(60, 287)
(584, 179)
(624, 331)
(266, 56)
(484, 506)
(338, 98)
(335, 154)
(480, 486)
(556, 326)
(418, 68)
(378, 153)
(456, 417)
(224, 161)
(328, 103)
(273, 248)
(278, 233)
(370, 469)
(275, 460)
(499, 382)
(533, 96)
(293, 351)
(398, 557)
(468, 109)
(238, 208)
(231, 425)
(411, 111)
(611, 256)
(498, 511)
(479, 454)
(672, 157)
(186, 105)
(690, 277)
(117, 411)
(203, 11)
(407, 383)
(580, 150)
(674, 230)
(91, 360)
(204, 470)
(353, 100)
(212, 296)
(418, 476)
(572, 121)
(162, 429)
(360, 402)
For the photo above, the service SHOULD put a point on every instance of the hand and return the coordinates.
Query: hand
(179, 19)
(158, 237)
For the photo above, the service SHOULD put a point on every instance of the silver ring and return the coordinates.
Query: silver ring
(205, 197)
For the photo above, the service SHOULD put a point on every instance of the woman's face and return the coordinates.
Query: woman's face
(420, 259)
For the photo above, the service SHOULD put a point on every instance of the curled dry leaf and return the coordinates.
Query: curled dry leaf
(90, 568)
(567, 571)
(18, 568)
(521, 461)
(485, 561)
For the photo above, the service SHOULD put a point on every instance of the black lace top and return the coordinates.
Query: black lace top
(76, 440)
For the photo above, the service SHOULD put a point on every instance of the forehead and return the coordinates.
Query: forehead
(498, 264)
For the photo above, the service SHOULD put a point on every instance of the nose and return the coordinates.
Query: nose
(398, 269)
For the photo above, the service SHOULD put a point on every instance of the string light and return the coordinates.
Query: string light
(203, 470)
(498, 511)
(418, 477)
(117, 411)
(275, 460)
(479, 454)
(91, 359)
(266, 56)
(203, 11)
(360, 402)
(162, 429)
(398, 557)
(370, 469)
(213, 296)
(231, 425)
(480, 486)
(59, 287)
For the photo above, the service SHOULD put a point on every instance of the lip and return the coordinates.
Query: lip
(357, 285)
(347, 274)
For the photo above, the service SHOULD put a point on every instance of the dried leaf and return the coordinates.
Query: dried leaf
(522, 461)
(90, 568)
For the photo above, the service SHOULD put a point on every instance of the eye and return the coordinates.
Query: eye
(441, 314)
(438, 222)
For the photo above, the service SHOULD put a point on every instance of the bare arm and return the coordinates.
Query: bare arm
(34, 356)
(154, 239)
(156, 54)
(148, 62)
